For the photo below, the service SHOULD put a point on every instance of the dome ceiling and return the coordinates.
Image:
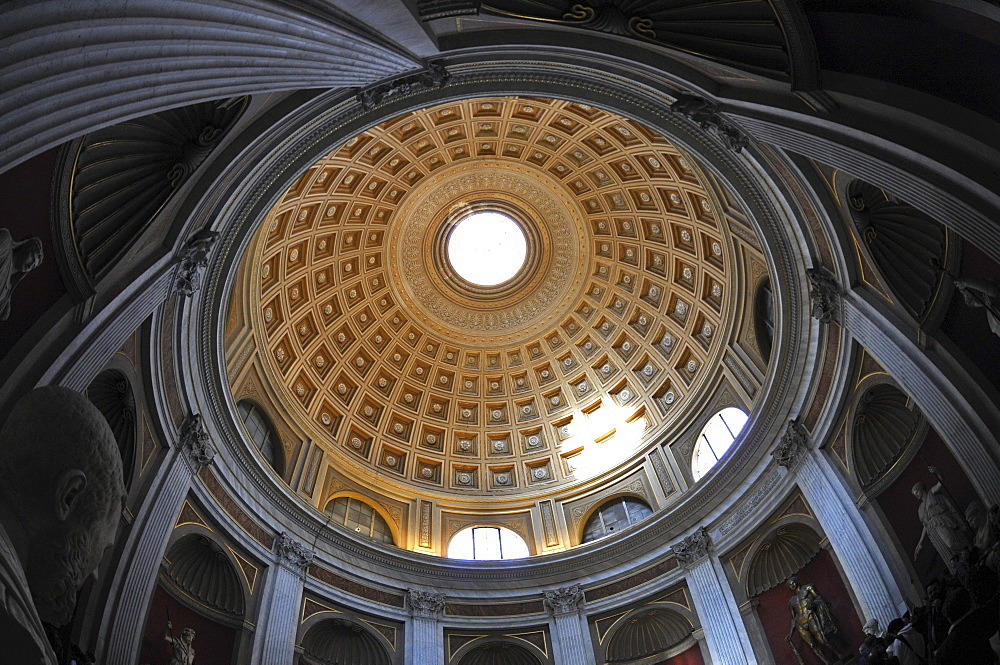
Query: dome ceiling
(379, 351)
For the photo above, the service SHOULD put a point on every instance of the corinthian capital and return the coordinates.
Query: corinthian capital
(563, 601)
(292, 553)
(794, 443)
(826, 295)
(425, 604)
(693, 548)
(194, 441)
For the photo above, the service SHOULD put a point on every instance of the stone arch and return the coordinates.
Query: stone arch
(882, 422)
(205, 571)
(112, 393)
(646, 632)
(342, 641)
(782, 552)
(499, 650)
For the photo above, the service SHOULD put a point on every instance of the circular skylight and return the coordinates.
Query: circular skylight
(487, 248)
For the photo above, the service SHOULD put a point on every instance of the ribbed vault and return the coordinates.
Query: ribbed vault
(342, 642)
(784, 552)
(646, 634)
(199, 567)
(883, 425)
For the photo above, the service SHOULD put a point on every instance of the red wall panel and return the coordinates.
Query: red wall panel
(822, 573)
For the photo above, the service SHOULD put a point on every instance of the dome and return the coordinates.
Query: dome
(369, 282)
(377, 349)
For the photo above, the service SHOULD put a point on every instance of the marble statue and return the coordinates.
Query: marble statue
(16, 260)
(812, 619)
(943, 524)
(982, 293)
(182, 645)
(61, 500)
(985, 536)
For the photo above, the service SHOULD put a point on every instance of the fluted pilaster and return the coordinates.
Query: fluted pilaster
(425, 636)
(282, 598)
(725, 633)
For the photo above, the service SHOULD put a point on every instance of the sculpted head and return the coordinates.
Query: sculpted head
(187, 635)
(793, 583)
(27, 254)
(919, 491)
(62, 494)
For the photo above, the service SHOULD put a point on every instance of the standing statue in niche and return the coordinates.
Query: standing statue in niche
(812, 619)
(61, 500)
(982, 293)
(183, 651)
(943, 523)
(16, 260)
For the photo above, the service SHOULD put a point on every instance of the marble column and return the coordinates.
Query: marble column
(136, 572)
(725, 633)
(867, 571)
(571, 643)
(281, 603)
(424, 634)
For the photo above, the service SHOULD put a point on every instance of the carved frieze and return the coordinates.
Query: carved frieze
(708, 115)
(435, 76)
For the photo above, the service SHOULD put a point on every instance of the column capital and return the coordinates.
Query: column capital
(425, 604)
(191, 260)
(826, 295)
(291, 553)
(564, 600)
(793, 445)
(694, 548)
(194, 441)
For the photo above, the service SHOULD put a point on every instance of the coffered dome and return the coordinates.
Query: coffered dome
(376, 347)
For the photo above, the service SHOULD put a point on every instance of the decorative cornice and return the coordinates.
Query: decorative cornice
(191, 260)
(291, 553)
(564, 600)
(826, 295)
(435, 76)
(426, 604)
(194, 441)
(793, 445)
(708, 116)
(693, 548)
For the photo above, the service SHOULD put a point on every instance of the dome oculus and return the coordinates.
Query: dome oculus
(487, 248)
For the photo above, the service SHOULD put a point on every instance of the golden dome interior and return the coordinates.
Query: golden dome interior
(619, 318)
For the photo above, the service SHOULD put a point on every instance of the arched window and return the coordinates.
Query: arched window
(715, 439)
(613, 516)
(357, 516)
(262, 433)
(487, 543)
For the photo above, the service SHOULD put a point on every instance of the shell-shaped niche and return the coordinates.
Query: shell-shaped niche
(647, 634)
(124, 174)
(785, 551)
(907, 246)
(342, 642)
(200, 569)
(111, 393)
(499, 653)
(883, 425)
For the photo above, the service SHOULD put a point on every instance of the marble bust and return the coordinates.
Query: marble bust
(16, 259)
(61, 498)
